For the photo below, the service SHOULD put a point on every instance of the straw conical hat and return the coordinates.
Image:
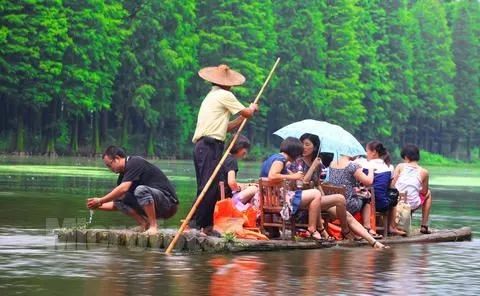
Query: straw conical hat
(222, 75)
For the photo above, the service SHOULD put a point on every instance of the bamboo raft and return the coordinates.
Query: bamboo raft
(193, 243)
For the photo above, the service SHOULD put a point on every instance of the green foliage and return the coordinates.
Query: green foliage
(433, 63)
(428, 158)
(302, 49)
(78, 75)
(241, 34)
(466, 53)
(376, 83)
(342, 100)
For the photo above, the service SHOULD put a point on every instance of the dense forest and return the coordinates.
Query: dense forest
(76, 76)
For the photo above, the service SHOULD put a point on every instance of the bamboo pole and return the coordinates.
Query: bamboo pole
(219, 165)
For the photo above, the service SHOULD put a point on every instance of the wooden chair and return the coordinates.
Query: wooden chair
(329, 189)
(293, 219)
(272, 196)
(383, 215)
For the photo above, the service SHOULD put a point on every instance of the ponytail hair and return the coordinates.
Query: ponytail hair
(378, 147)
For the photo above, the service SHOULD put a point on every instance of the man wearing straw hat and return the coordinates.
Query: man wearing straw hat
(213, 123)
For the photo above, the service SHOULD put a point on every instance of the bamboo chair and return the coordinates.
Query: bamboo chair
(325, 215)
(272, 196)
(329, 189)
(383, 215)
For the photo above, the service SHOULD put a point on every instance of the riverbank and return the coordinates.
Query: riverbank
(467, 175)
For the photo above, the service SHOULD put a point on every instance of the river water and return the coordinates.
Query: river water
(37, 196)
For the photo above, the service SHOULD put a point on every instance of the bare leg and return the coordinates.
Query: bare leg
(359, 230)
(393, 225)
(337, 201)
(110, 206)
(366, 216)
(152, 218)
(312, 199)
(248, 193)
(140, 219)
(427, 204)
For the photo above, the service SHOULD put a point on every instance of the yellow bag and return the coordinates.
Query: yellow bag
(404, 215)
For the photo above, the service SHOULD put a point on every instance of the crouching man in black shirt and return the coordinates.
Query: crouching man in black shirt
(143, 191)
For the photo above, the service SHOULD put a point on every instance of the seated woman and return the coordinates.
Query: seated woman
(241, 194)
(412, 179)
(311, 165)
(275, 168)
(379, 159)
(348, 173)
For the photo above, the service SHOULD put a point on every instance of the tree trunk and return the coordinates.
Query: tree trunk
(469, 149)
(51, 132)
(20, 143)
(124, 135)
(3, 115)
(96, 150)
(74, 141)
(150, 144)
(104, 125)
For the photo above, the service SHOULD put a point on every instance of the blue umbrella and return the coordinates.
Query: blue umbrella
(333, 138)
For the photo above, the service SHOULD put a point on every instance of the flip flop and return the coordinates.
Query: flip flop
(311, 233)
(374, 234)
(348, 235)
(424, 229)
(328, 237)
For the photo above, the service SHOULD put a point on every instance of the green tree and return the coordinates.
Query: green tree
(374, 76)
(301, 75)
(434, 70)
(92, 60)
(33, 37)
(241, 34)
(342, 101)
(396, 52)
(466, 52)
(158, 64)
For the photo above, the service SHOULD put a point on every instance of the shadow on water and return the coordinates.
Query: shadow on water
(32, 262)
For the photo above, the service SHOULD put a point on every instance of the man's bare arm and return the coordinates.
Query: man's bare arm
(234, 124)
(116, 193)
(245, 113)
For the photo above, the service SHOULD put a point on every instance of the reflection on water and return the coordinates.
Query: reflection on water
(32, 262)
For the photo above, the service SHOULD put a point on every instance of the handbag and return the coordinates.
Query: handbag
(392, 195)
(404, 216)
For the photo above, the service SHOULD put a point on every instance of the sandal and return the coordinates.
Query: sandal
(326, 236)
(374, 234)
(347, 235)
(312, 233)
(424, 229)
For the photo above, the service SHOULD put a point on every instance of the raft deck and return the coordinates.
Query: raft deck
(191, 242)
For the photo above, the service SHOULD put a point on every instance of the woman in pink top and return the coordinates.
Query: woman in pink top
(412, 179)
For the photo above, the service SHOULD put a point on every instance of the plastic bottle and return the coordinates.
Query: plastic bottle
(300, 181)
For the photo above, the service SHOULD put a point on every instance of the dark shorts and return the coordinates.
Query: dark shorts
(165, 205)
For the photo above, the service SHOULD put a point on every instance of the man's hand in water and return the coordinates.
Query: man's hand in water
(93, 203)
